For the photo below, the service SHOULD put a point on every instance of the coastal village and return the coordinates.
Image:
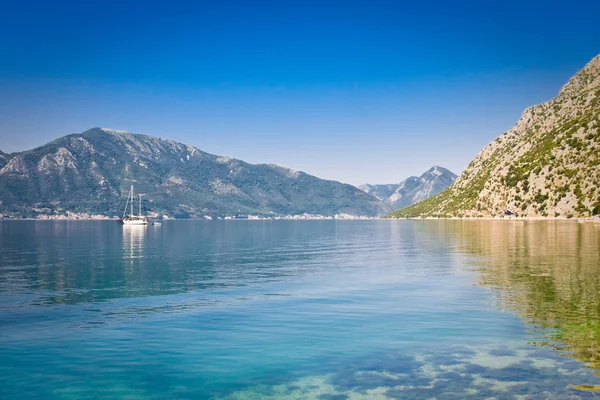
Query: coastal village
(70, 216)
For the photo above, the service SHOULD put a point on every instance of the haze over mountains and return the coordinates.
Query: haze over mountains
(91, 172)
(547, 165)
(412, 189)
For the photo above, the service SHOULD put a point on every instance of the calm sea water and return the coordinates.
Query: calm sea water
(299, 310)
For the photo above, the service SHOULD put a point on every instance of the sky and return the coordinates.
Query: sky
(355, 91)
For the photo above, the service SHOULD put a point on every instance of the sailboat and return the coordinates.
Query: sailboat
(133, 219)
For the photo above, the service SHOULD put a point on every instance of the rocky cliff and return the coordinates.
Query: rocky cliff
(547, 165)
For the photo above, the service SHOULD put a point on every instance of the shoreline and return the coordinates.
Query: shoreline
(516, 219)
(573, 219)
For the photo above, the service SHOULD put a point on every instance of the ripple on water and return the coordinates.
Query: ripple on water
(299, 310)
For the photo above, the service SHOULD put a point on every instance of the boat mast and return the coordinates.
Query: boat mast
(140, 212)
(131, 201)
(127, 202)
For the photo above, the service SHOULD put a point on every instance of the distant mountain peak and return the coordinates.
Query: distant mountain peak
(547, 165)
(114, 131)
(437, 171)
(97, 131)
(413, 188)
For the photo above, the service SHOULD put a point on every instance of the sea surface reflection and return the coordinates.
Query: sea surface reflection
(300, 309)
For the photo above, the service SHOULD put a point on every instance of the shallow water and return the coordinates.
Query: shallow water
(299, 309)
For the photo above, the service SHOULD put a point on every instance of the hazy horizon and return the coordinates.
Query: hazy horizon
(355, 92)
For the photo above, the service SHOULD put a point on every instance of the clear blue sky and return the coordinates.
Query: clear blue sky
(357, 91)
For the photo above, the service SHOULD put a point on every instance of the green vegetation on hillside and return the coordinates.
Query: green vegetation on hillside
(547, 165)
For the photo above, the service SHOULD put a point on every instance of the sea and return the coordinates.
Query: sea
(323, 309)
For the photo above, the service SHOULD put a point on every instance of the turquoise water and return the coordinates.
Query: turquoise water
(299, 310)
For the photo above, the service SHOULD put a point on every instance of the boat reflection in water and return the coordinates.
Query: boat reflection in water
(134, 238)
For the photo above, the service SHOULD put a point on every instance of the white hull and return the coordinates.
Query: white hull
(134, 222)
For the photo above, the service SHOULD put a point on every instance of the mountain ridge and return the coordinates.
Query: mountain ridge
(547, 165)
(413, 189)
(92, 170)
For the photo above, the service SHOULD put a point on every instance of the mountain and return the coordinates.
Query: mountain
(412, 189)
(548, 164)
(382, 192)
(3, 159)
(415, 189)
(92, 171)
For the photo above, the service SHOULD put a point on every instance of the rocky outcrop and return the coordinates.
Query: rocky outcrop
(547, 165)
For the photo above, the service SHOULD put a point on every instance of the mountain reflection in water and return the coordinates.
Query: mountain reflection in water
(546, 272)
